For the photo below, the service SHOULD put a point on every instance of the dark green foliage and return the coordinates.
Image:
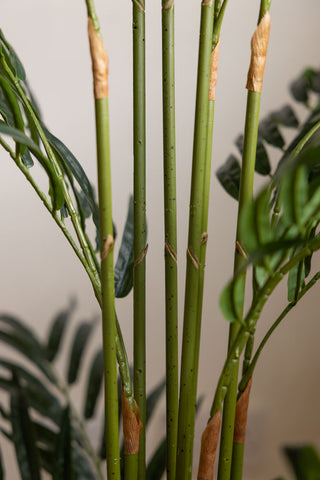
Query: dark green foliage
(57, 331)
(229, 176)
(94, 384)
(64, 468)
(23, 435)
(285, 116)
(123, 272)
(2, 473)
(304, 461)
(269, 242)
(80, 341)
(262, 165)
(270, 132)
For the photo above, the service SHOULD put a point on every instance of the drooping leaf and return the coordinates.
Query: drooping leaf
(57, 331)
(70, 162)
(45, 436)
(285, 116)
(262, 164)
(14, 333)
(229, 176)
(304, 461)
(14, 59)
(270, 132)
(64, 466)
(80, 341)
(40, 398)
(57, 195)
(94, 384)
(153, 399)
(123, 272)
(83, 467)
(23, 436)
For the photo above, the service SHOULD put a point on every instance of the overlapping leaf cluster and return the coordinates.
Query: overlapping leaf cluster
(40, 420)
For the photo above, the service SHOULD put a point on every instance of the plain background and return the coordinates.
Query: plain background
(39, 272)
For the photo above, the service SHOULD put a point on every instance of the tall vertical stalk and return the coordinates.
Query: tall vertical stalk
(100, 81)
(170, 220)
(259, 46)
(139, 194)
(187, 398)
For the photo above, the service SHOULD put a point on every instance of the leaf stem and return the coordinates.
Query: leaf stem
(254, 86)
(170, 219)
(139, 196)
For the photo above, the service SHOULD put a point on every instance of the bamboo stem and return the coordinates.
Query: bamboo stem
(254, 84)
(100, 84)
(170, 219)
(139, 194)
(187, 400)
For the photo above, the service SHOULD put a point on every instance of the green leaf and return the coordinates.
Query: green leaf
(19, 137)
(57, 331)
(2, 474)
(270, 132)
(39, 396)
(229, 176)
(232, 298)
(285, 116)
(23, 436)
(24, 341)
(64, 469)
(94, 384)
(80, 341)
(123, 272)
(304, 461)
(299, 89)
(153, 398)
(14, 59)
(262, 164)
(157, 464)
(295, 281)
(70, 162)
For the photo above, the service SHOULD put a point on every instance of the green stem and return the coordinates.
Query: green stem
(245, 196)
(107, 289)
(249, 371)
(139, 194)
(170, 218)
(131, 466)
(187, 398)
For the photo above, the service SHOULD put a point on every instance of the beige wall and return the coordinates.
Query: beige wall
(39, 271)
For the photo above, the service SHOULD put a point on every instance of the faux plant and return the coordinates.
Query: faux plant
(276, 236)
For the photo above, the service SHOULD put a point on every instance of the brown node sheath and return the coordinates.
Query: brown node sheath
(107, 245)
(259, 47)
(241, 415)
(214, 71)
(132, 426)
(209, 444)
(100, 62)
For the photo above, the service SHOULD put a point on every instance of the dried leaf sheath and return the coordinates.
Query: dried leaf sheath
(100, 62)
(209, 444)
(241, 415)
(259, 48)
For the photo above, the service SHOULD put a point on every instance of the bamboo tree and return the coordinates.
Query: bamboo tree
(187, 398)
(139, 194)
(259, 45)
(100, 81)
(170, 219)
